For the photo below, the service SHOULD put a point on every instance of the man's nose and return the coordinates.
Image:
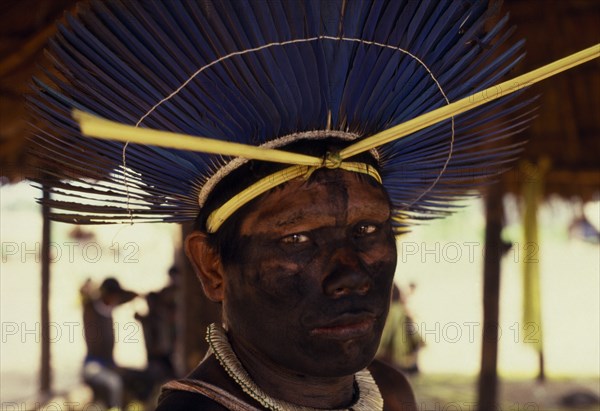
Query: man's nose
(346, 275)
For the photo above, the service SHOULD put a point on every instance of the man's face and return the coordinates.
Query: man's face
(311, 287)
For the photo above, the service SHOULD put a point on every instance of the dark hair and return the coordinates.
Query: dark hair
(225, 240)
(110, 286)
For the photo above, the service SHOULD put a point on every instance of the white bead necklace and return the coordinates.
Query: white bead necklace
(369, 397)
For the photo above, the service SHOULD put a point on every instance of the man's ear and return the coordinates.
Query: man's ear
(207, 265)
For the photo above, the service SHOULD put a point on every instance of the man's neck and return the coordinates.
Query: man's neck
(280, 383)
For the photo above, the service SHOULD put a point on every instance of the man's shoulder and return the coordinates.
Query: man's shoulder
(394, 386)
(187, 401)
(211, 374)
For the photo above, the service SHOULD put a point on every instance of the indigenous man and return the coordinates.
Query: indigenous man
(99, 369)
(304, 274)
(300, 182)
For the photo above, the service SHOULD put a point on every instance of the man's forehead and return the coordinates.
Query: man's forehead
(326, 200)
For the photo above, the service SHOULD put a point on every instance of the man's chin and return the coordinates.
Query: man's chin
(341, 370)
(348, 358)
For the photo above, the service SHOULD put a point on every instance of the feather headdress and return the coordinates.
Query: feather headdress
(266, 74)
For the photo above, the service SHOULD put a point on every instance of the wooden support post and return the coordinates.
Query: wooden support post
(488, 378)
(45, 370)
(542, 370)
(532, 193)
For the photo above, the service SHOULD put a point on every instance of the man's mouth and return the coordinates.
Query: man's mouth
(347, 326)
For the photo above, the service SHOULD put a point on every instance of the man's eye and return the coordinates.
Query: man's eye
(295, 239)
(365, 229)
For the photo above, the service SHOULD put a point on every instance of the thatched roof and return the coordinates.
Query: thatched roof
(566, 131)
(25, 26)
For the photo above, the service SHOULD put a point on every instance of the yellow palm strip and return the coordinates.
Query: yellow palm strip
(94, 126)
(470, 102)
(222, 213)
(217, 217)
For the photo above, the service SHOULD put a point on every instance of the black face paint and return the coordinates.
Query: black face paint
(315, 301)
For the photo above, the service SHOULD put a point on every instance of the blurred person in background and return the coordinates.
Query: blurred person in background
(112, 385)
(400, 341)
(160, 329)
